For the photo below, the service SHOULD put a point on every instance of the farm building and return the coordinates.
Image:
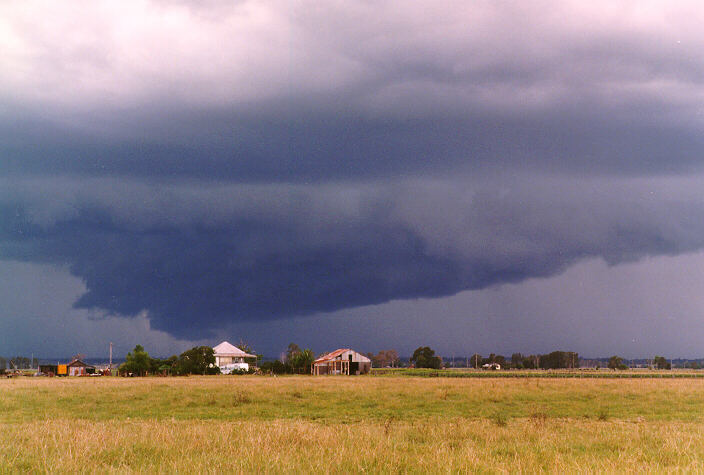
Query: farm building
(49, 369)
(79, 368)
(229, 358)
(342, 361)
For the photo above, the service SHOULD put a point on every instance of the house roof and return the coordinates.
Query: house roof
(76, 362)
(227, 349)
(334, 354)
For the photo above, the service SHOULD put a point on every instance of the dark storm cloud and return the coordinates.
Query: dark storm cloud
(217, 162)
(343, 148)
(195, 256)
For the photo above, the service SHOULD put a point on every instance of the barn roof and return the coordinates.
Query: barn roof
(227, 349)
(77, 362)
(334, 354)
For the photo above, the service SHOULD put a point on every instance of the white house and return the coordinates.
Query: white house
(229, 358)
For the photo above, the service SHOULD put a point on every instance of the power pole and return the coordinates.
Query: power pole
(110, 358)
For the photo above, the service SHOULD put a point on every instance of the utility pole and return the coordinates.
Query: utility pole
(110, 358)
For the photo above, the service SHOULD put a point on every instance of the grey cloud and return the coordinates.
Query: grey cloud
(217, 162)
(333, 92)
(195, 256)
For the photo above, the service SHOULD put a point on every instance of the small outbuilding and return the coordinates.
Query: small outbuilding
(49, 369)
(229, 358)
(342, 361)
(79, 368)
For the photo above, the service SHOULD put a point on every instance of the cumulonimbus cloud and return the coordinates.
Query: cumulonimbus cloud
(213, 162)
(195, 256)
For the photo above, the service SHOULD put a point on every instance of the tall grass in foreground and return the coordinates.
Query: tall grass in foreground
(348, 424)
(530, 445)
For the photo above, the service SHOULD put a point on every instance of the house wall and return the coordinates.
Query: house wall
(356, 357)
(327, 368)
(76, 370)
(226, 360)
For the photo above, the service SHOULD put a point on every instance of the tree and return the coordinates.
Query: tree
(531, 361)
(385, 358)
(292, 350)
(136, 362)
(616, 362)
(476, 360)
(301, 361)
(247, 348)
(22, 362)
(517, 360)
(274, 367)
(661, 362)
(559, 359)
(169, 366)
(424, 357)
(197, 360)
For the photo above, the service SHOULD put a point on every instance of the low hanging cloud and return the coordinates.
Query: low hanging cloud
(195, 256)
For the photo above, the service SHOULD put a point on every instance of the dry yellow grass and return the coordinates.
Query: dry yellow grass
(335, 425)
(554, 445)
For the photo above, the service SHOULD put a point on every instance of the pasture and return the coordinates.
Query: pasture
(350, 424)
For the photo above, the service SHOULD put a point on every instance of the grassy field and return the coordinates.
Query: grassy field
(540, 373)
(341, 424)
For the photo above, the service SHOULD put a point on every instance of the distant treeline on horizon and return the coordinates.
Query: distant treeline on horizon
(455, 361)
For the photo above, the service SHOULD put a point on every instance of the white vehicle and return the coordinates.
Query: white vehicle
(234, 368)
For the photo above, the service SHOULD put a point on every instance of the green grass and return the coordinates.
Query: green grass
(344, 399)
(560, 373)
(350, 424)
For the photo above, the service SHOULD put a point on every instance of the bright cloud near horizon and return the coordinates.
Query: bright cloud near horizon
(484, 176)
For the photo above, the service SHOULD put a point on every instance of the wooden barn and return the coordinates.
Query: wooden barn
(342, 361)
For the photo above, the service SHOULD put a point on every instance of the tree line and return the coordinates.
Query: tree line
(18, 362)
(197, 360)
(201, 360)
(295, 361)
(424, 357)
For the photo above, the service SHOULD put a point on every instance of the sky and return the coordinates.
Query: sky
(488, 176)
